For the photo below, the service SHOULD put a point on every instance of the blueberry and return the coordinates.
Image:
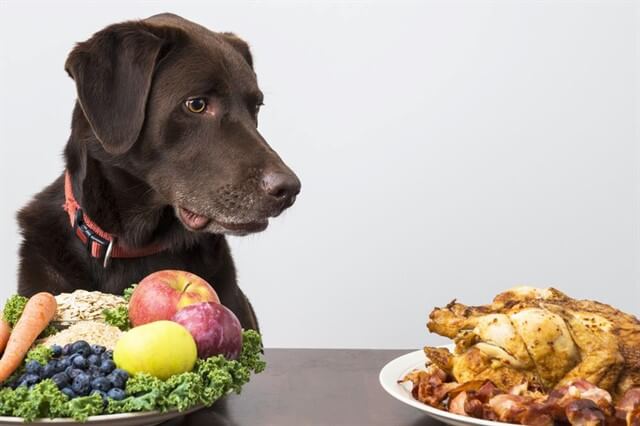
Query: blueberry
(63, 363)
(94, 371)
(93, 359)
(69, 392)
(81, 384)
(59, 366)
(29, 379)
(98, 349)
(116, 380)
(101, 383)
(60, 379)
(81, 347)
(49, 369)
(116, 393)
(108, 354)
(120, 372)
(107, 366)
(74, 356)
(66, 349)
(56, 351)
(73, 372)
(33, 367)
(20, 379)
(79, 361)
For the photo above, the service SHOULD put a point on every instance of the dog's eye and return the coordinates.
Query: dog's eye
(196, 105)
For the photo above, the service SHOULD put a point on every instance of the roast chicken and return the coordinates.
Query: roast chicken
(541, 337)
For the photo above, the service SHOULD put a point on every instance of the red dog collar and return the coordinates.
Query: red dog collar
(100, 244)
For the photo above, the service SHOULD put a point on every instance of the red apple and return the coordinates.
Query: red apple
(216, 330)
(161, 294)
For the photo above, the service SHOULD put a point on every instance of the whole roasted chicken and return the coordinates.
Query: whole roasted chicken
(541, 337)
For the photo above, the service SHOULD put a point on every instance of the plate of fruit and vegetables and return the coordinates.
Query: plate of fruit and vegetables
(166, 348)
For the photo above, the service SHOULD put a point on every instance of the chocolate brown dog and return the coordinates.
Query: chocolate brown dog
(163, 160)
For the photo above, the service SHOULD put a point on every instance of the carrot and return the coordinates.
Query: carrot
(5, 331)
(37, 314)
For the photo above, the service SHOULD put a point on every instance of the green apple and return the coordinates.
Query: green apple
(160, 348)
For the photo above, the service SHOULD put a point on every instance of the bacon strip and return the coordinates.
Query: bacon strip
(628, 407)
(584, 412)
(579, 403)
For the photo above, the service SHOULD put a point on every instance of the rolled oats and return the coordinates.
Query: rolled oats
(83, 305)
(94, 332)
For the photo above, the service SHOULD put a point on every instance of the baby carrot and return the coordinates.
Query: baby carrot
(37, 314)
(5, 331)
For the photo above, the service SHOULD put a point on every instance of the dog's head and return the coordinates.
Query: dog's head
(176, 105)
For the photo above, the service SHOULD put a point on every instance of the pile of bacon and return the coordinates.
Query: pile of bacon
(578, 403)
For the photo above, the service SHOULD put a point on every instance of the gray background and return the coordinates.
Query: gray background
(447, 149)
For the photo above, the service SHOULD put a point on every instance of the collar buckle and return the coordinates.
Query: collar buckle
(90, 239)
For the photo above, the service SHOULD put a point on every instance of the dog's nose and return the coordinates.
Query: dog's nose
(283, 186)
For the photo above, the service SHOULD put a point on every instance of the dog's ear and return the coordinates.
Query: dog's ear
(240, 45)
(113, 71)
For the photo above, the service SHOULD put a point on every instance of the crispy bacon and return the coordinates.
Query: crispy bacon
(470, 399)
(438, 394)
(633, 417)
(474, 407)
(629, 401)
(560, 398)
(457, 404)
(578, 403)
(584, 412)
(487, 391)
(429, 386)
(510, 408)
(628, 407)
(538, 415)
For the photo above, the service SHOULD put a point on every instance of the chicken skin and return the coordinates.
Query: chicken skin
(541, 337)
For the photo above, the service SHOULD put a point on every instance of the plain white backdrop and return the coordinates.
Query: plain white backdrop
(446, 149)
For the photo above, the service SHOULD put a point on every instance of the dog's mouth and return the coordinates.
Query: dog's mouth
(193, 220)
(198, 222)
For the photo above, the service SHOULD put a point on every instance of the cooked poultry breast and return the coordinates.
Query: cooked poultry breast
(539, 336)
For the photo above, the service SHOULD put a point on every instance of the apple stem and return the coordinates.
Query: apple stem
(186, 286)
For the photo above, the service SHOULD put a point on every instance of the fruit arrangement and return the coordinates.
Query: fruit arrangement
(167, 312)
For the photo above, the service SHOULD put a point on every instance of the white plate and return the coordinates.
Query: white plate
(146, 418)
(398, 368)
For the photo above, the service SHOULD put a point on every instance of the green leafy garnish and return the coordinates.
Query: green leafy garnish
(81, 408)
(39, 353)
(183, 391)
(12, 312)
(45, 400)
(119, 316)
(142, 383)
(128, 292)
(13, 309)
(145, 402)
(210, 379)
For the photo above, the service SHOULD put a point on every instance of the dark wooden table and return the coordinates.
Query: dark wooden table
(304, 387)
